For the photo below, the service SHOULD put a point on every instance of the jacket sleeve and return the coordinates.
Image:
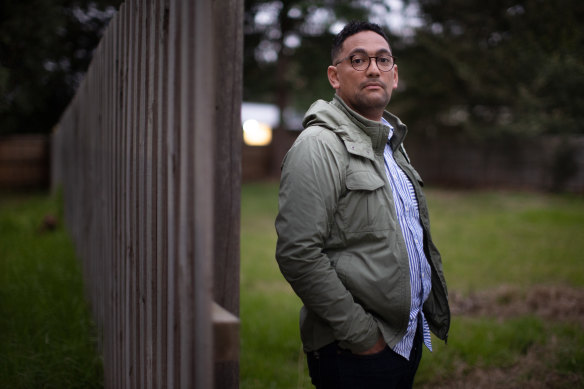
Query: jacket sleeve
(311, 183)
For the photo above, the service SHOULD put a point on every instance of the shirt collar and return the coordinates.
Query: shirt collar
(386, 123)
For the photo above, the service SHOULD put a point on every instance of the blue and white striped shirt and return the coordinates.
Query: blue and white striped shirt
(406, 206)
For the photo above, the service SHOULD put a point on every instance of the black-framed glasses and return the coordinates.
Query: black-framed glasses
(361, 61)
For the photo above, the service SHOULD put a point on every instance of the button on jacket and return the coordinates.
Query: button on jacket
(340, 245)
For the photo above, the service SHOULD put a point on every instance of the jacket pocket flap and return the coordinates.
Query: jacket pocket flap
(363, 180)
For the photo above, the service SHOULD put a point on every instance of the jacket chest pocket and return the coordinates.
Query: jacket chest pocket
(364, 208)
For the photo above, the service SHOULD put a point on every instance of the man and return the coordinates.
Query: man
(353, 230)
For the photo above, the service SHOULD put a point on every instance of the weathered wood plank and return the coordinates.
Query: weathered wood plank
(228, 15)
(198, 168)
(173, 80)
(162, 203)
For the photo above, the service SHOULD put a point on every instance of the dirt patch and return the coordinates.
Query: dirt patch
(531, 371)
(558, 303)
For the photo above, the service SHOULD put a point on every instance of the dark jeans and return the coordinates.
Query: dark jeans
(334, 368)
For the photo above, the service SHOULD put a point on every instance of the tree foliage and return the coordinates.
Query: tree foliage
(491, 68)
(45, 48)
(482, 68)
(287, 47)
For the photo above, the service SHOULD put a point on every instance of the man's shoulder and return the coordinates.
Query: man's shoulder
(319, 133)
(315, 142)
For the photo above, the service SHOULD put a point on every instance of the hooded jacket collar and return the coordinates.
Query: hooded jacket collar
(360, 135)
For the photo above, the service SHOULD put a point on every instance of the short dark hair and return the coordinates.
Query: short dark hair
(353, 28)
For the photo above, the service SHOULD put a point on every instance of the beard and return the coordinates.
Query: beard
(369, 103)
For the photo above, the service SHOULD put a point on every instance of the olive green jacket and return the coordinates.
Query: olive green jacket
(340, 245)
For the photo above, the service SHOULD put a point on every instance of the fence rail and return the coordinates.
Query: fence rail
(148, 158)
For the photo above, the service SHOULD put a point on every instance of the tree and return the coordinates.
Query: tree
(45, 49)
(287, 47)
(496, 67)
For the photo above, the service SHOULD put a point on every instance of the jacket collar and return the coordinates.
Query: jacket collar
(371, 136)
(400, 130)
(361, 136)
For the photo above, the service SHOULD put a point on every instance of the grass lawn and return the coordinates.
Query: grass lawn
(487, 239)
(504, 250)
(47, 339)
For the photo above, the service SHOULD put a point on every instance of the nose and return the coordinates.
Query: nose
(371, 68)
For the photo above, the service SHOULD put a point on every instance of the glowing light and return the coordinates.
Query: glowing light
(256, 133)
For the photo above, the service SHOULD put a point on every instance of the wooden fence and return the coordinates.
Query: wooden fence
(547, 163)
(148, 158)
(24, 162)
(544, 163)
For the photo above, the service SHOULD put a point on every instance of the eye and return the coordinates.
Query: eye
(384, 60)
(358, 60)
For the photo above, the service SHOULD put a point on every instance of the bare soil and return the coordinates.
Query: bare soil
(553, 303)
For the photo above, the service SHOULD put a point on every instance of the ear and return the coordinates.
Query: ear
(395, 77)
(333, 76)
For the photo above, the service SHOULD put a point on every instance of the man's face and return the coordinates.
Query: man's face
(367, 92)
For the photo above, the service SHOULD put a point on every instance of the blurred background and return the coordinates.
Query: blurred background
(491, 90)
(493, 95)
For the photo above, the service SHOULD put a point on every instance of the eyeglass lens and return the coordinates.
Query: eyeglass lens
(362, 62)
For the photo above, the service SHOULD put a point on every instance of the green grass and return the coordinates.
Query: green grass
(271, 352)
(486, 239)
(483, 343)
(540, 349)
(490, 238)
(47, 339)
